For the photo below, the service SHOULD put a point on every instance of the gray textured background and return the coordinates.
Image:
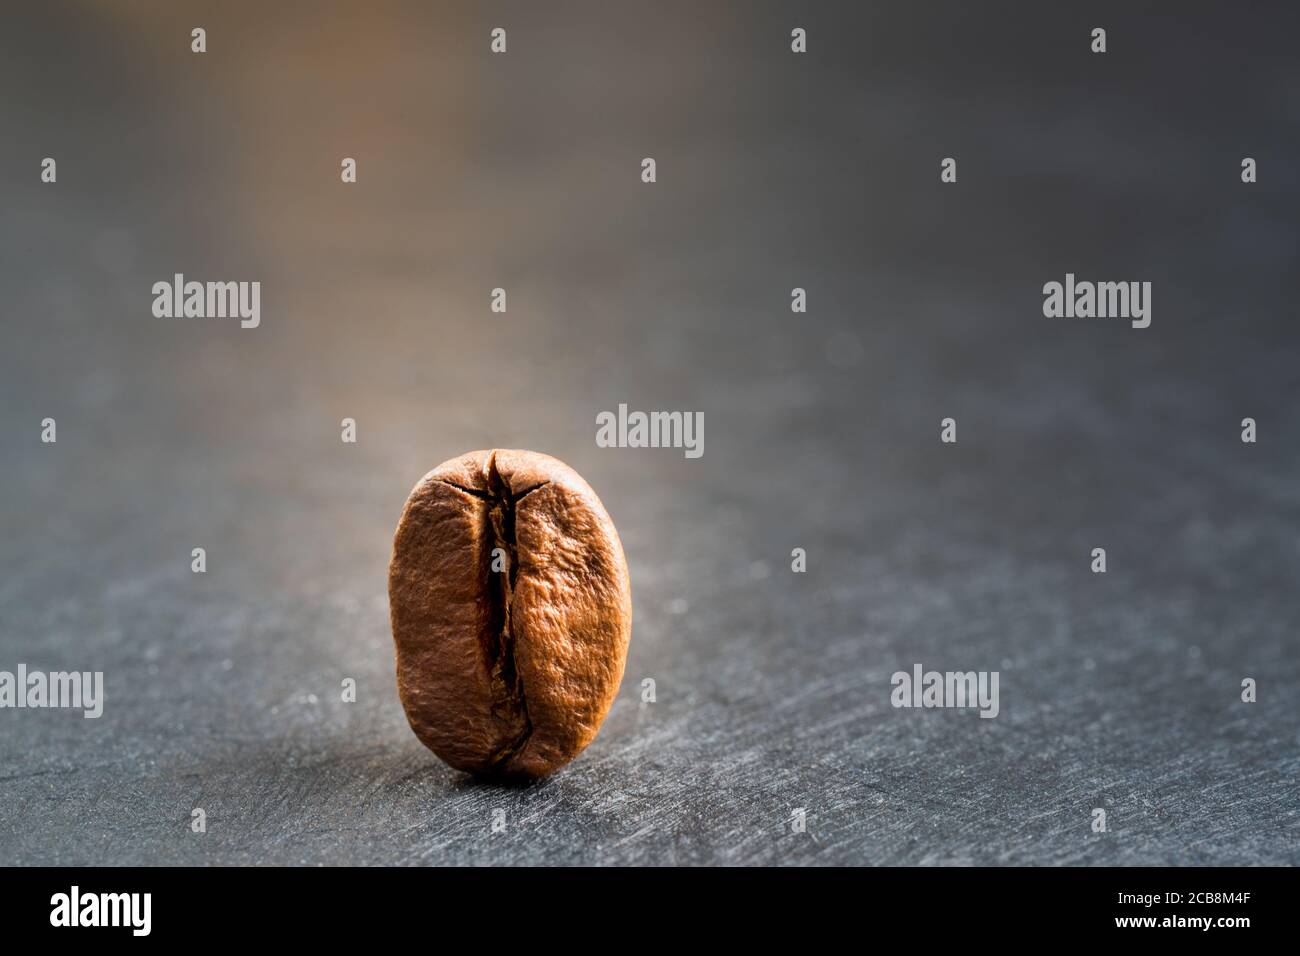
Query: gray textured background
(822, 430)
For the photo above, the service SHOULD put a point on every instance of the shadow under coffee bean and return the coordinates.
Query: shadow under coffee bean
(511, 612)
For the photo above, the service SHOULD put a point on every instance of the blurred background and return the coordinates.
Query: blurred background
(775, 170)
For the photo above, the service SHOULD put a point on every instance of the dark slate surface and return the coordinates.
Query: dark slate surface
(1118, 691)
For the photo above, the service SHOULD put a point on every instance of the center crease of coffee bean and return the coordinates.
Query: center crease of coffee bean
(509, 700)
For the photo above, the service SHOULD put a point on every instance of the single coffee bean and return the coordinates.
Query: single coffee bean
(511, 610)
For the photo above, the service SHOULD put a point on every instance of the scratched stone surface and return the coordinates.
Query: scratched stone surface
(1118, 691)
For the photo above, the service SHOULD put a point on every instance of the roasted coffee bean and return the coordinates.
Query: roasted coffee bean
(511, 611)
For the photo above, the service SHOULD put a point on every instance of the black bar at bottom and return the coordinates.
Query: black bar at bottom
(333, 906)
